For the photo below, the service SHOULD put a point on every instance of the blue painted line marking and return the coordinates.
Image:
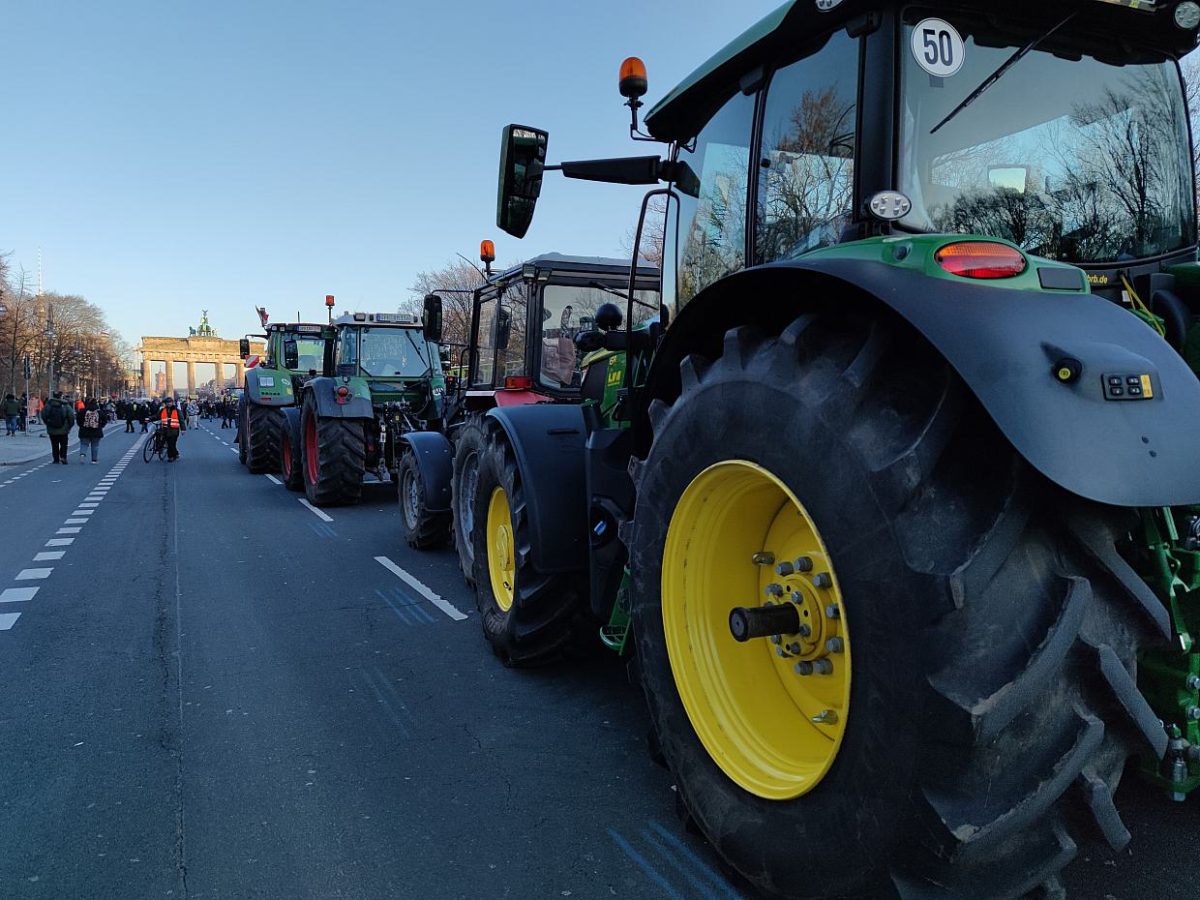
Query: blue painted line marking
(644, 864)
(688, 864)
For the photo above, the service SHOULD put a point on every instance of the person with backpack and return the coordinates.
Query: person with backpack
(10, 409)
(57, 417)
(92, 420)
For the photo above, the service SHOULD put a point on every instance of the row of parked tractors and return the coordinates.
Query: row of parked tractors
(887, 480)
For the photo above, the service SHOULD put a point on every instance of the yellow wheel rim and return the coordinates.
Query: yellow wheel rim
(502, 561)
(772, 727)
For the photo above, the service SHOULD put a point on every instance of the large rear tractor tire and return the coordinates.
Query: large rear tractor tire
(334, 453)
(261, 437)
(290, 462)
(529, 617)
(423, 530)
(241, 430)
(950, 695)
(469, 442)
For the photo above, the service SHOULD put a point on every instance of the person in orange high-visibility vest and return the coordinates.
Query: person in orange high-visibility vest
(171, 422)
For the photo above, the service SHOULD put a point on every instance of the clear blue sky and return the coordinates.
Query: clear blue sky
(168, 156)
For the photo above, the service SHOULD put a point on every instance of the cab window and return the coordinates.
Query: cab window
(806, 160)
(712, 218)
(485, 354)
(347, 348)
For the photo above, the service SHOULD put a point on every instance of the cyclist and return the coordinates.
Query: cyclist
(171, 422)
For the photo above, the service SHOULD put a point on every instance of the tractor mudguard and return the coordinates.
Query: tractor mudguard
(269, 387)
(357, 404)
(1008, 346)
(435, 463)
(548, 442)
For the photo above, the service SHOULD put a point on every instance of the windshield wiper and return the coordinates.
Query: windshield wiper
(621, 294)
(999, 73)
(428, 364)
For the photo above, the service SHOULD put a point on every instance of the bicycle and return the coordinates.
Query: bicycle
(156, 444)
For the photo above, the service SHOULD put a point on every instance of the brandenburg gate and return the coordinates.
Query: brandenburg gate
(202, 345)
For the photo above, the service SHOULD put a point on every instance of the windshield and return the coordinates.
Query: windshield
(310, 353)
(567, 310)
(391, 352)
(1076, 160)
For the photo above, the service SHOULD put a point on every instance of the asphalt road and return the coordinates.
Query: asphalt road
(207, 690)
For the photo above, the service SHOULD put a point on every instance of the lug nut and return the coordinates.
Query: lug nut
(825, 717)
(776, 639)
(1193, 682)
(835, 645)
(804, 631)
(822, 580)
(794, 649)
(832, 612)
(796, 597)
(1193, 713)
(823, 667)
(784, 568)
(804, 667)
(773, 590)
(803, 564)
(763, 558)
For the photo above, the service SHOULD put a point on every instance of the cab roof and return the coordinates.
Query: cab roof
(683, 111)
(585, 265)
(401, 320)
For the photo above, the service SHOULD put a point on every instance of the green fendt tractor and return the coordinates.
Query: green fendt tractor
(900, 516)
(294, 351)
(384, 379)
(520, 350)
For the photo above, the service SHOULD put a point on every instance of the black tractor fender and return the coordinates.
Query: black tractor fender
(435, 465)
(324, 393)
(1008, 346)
(254, 390)
(548, 442)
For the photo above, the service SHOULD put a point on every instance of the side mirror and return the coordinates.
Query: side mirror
(291, 355)
(522, 161)
(432, 320)
(503, 328)
(244, 347)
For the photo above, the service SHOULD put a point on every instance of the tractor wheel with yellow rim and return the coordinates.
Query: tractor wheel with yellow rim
(529, 617)
(882, 656)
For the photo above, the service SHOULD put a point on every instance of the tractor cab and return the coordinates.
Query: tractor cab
(392, 354)
(525, 321)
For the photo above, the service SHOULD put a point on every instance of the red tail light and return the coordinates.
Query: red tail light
(981, 259)
(518, 383)
(343, 391)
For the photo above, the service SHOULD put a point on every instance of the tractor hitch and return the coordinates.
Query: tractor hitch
(762, 621)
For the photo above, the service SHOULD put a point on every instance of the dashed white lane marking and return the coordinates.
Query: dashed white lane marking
(75, 522)
(83, 512)
(60, 542)
(414, 583)
(8, 620)
(234, 449)
(72, 530)
(48, 555)
(274, 479)
(33, 574)
(316, 512)
(17, 595)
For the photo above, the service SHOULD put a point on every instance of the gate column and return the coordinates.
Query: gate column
(191, 377)
(146, 386)
(170, 376)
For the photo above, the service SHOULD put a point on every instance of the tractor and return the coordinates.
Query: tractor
(294, 351)
(521, 350)
(898, 518)
(383, 378)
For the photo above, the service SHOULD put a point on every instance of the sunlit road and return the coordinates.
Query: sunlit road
(209, 690)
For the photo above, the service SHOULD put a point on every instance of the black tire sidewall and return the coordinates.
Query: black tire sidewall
(856, 814)
(491, 474)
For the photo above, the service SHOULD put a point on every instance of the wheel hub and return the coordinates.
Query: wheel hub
(502, 567)
(770, 706)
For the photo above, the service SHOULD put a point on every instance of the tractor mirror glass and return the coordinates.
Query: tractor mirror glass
(244, 347)
(503, 328)
(291, 354)
(1015, 178)
(522, 161)
(432, 320)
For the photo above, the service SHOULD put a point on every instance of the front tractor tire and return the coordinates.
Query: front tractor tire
(529, 617)
(291, 464)
(423, 530)
(951, 690)
(470, 440)
(333, 460)
(261, 437)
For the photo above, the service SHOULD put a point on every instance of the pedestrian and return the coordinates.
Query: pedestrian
(171, 423)
(56, 415)
(21, 410)
(130, 411)
(35, 408)
(10, 408)
(91, 420)
(193, 410)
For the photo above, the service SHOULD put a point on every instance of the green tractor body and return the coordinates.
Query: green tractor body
(294, 351)
(896, 503)
(385, 379)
